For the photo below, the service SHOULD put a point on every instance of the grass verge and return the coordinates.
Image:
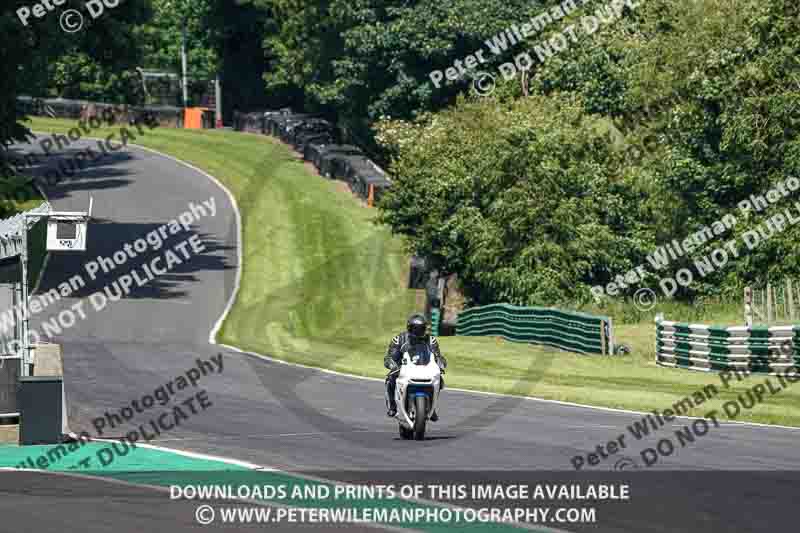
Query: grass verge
(324, 286)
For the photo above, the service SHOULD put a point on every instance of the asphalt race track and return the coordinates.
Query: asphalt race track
(280, 415)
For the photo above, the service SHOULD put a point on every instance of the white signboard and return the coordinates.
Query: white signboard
(66, 235)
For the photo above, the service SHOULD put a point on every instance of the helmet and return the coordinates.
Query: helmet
(417, 326)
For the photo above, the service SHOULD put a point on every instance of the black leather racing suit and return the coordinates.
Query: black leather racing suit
(400, 344)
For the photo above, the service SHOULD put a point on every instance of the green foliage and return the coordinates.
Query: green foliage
(80, 77)
(161, 37)
(360, 60)
(99, 62)
(529, 201)
(95, 63)
(41, 59)
(16, 47)
(524, 201)
(656, 125)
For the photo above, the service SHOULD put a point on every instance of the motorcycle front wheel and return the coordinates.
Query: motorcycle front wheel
(420, 417)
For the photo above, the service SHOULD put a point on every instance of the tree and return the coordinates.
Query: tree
(359, 60)
(523, 200)
(714, 84)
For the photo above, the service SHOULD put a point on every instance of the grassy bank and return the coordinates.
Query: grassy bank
(323, 286)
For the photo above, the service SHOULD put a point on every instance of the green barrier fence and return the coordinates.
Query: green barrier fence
(715, 348)
(435, 318)
(566, 330)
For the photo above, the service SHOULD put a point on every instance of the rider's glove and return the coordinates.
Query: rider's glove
(392, 365)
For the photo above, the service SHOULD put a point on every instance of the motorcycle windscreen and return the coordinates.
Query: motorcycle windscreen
(420, 354)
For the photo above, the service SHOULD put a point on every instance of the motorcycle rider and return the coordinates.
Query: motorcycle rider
(416, 333)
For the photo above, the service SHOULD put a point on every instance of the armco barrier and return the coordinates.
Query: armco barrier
(165, 116)
(566, 330)
(716, 348)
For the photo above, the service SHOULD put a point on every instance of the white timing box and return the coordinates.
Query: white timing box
(66, 235)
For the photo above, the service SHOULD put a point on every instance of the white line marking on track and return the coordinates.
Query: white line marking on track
(237, 284)
(501, 395)
(212, 340)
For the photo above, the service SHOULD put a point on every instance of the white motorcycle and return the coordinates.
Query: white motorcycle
(417, 392)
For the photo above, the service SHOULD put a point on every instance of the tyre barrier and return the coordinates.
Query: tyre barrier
(566, 330)
(314, 138)
(367, 180)
(310, 134)
(766, 350)
(330, 158)
(306, 139)
(249, 122)
(343, 165)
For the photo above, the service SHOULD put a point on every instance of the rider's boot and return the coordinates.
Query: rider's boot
(389, 395)
(434, 416)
